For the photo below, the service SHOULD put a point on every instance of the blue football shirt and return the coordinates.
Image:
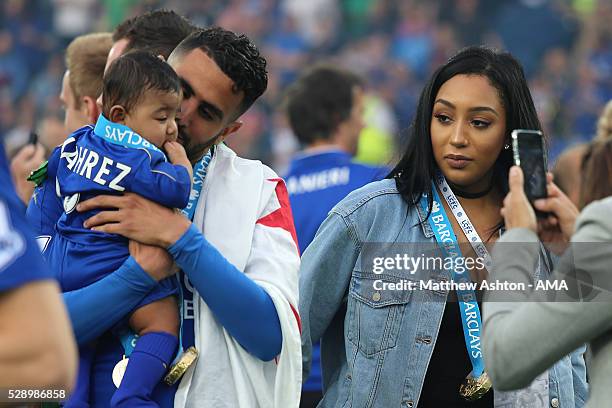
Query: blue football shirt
(20, 259)
(316, 183)
(94, 161)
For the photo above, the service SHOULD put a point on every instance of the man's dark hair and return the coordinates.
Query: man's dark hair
(131, 75)
(236, 56)
(157, 32)
(319, 101)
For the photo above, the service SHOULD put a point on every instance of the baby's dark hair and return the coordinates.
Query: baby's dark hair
(133, 74)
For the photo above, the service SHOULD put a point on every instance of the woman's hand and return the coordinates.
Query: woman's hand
(517, 210)
(563, 210)
(556, 230)
(155, 261)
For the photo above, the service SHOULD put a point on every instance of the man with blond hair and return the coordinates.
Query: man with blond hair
(85, 61)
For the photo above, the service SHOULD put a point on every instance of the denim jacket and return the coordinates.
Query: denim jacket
(376, 345)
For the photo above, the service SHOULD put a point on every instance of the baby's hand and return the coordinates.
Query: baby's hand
(176, 154)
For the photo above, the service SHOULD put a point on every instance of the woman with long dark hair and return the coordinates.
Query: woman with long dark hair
(386, 340)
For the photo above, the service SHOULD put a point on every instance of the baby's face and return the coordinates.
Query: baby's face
(154, 117)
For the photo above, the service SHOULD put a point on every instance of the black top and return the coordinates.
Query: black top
(448, 367)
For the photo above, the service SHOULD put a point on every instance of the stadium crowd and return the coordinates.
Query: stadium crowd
(564, 46)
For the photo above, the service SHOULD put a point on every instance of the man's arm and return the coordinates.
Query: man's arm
(96, 308)
(37, 349)
(529, 318)
(241, 306)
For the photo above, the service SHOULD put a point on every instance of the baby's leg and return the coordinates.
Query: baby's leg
(157, 325)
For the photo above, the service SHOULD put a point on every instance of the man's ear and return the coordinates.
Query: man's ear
(91, 109)
(117, 114)
(229, 129)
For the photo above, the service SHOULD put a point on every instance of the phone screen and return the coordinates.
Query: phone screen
(528, 149)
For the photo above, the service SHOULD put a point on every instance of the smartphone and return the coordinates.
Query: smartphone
(33, 138)
(530, 154)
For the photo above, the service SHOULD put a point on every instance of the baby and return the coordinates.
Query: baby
(122, 153)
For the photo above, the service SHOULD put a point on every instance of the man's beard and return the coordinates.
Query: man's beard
(195, 150)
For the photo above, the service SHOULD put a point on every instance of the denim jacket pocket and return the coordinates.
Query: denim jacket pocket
(375, 311)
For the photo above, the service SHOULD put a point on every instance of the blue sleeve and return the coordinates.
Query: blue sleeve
(96, 308)
(162, 182)
(20, 259)
(241, 306)
(45, 207)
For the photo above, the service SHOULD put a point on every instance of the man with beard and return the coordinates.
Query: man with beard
(239, 280)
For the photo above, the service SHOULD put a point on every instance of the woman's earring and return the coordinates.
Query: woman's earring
(506, 146)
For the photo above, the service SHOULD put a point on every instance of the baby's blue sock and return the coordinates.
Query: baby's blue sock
(148, 363)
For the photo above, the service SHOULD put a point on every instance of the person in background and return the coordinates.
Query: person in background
(156, 32)
(532, 316)
(26, 160)
(604, 124)
(325, 110)
(37, 347)
(567, 171)
(81, 85)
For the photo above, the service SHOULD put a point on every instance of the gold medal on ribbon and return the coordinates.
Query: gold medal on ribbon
(177, 370)
(119, 371)
(474, 388)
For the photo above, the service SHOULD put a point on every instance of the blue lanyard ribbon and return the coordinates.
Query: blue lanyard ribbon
(185, 288)
(128, 341)
(122, 135)
(468, 306)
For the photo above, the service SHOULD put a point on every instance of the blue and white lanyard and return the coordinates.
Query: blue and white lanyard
(122, 135)
(447, 240)
(187, 339)
(185, 287)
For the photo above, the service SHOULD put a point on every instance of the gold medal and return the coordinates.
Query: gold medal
(119, 371)
(177, 370)
(474, 388)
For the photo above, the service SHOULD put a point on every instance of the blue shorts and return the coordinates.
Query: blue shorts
(77, 265)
